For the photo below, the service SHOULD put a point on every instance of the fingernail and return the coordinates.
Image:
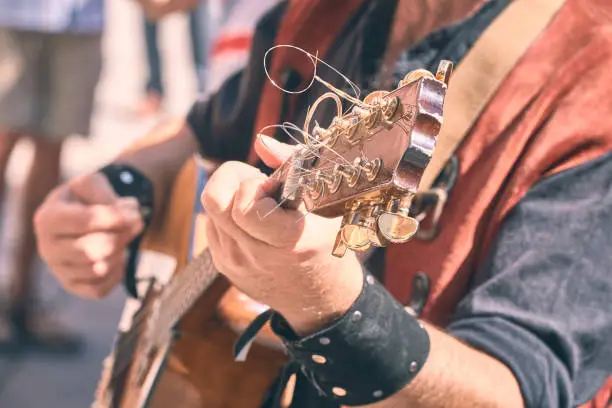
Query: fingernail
(267, 142)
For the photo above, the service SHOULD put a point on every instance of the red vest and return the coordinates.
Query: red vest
(547, 116)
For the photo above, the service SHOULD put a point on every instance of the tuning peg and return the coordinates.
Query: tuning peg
(324, 136)
(414, 76)
(369, 167)
(389, 107)
(339, 246)
(346, 126)
(316, 188)
(444, 71)
(397, 227)
(355, 229)
(353, 233)
(368, 117)
(395, 224)
(356, 237)
(374, 97)
(332, 181)
(350, 173)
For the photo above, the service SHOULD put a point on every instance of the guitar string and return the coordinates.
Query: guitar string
(182, 281)
(170, 293)
(314, 60)
(166, 297)
(165, 320)
(313, 151)
(178, 288)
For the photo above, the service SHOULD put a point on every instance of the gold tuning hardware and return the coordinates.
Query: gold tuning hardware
(414, 76)
(375, 97)
(395, 224)
(370, 168)
(350, 173)
(368, 117)
(397, 227)
(356, 237)
(354, 233)
(444, 71)
(339, 246)
(332, 182)
(346, 126)
(321, 133)
(359, 230)
(376, 238)
(316, 188)
(389, 107)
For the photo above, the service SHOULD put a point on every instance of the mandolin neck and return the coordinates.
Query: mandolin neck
(187, 287)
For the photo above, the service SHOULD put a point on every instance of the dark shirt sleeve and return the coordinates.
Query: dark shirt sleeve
(542, 303)
(224, 123)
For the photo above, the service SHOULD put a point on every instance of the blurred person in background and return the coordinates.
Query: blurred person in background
(205, 19)
(50, 62)
(517, 277)
(154, 89)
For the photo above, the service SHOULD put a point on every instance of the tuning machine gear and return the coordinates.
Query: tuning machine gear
(350, 173)
(395, 223)
(369, 167)
(369, 224)
(354, 232)
(359, 230)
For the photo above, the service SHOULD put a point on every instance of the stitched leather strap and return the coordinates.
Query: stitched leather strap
(482, 71)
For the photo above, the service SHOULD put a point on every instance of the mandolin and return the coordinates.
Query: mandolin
(174, 346)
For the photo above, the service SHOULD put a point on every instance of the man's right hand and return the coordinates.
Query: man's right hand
(83, 229)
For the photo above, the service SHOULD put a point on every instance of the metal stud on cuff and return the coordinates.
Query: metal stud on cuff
(369, 354)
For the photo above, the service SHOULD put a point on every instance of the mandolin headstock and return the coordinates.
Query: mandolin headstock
(367, 165)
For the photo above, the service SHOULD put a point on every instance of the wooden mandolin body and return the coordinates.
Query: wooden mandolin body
(200, 370)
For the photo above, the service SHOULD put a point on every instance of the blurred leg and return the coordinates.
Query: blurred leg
(18, 53)
(154, 92)
(67, 81)
(8, 140)
(155, 81)
(43, 176)
(199, 49)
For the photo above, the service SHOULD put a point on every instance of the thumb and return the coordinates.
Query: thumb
(93, 189)
(271, 151)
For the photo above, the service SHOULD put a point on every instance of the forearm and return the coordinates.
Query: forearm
(453, 374)
(160, 156)
(456, 376)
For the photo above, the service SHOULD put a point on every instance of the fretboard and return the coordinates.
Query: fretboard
(185, 288)
(179, 296)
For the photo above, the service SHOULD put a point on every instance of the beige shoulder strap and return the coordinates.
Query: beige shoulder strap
(482, 71)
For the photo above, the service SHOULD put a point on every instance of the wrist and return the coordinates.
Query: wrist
(374, 350)
(128, 181)
(339, 284)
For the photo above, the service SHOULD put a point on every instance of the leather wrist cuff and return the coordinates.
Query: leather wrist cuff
(127, 181)
(370, 353)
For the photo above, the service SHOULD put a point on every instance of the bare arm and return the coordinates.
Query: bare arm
(458, 376)
(160, 156)
(454, 376)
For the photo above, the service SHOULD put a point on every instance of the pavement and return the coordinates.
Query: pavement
(37, 381)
